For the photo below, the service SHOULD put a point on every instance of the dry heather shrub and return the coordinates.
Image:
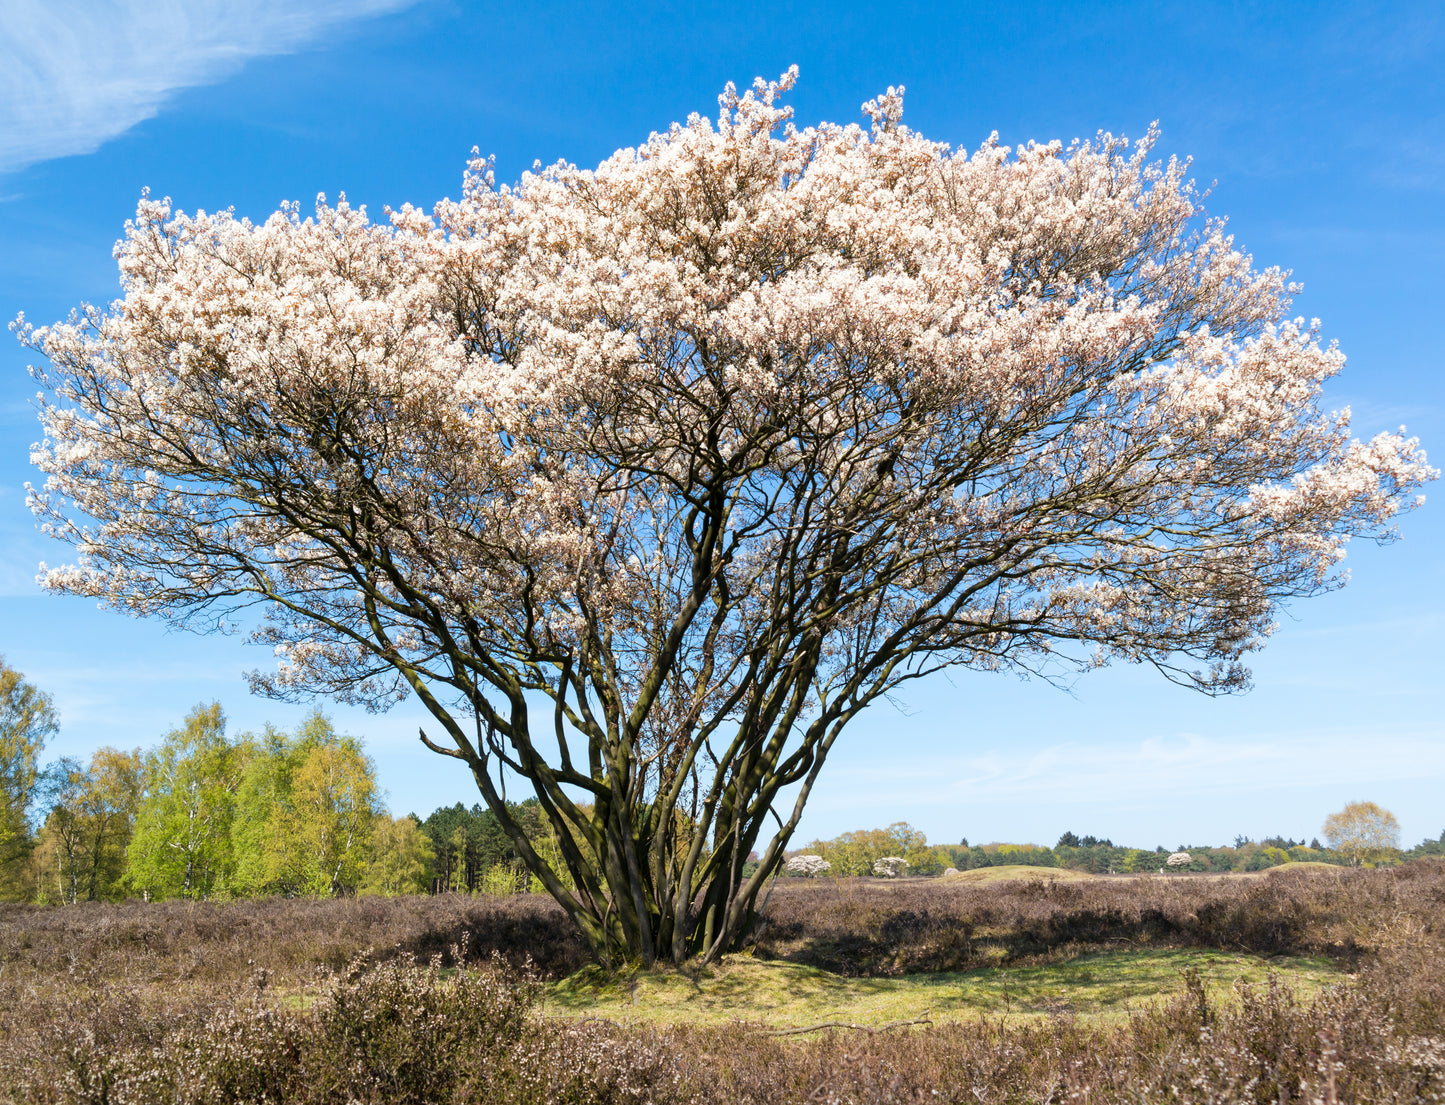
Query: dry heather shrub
(864, 928)
(389, 1033)
(402, 1030)
(1263, 1045)
(209, 942)
(404, 1033)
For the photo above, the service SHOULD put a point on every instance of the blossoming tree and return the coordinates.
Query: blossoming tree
(645, 480)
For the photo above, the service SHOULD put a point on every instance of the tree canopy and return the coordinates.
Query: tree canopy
(182, 840)
(305, 806)
(90, 814)
(27, 721)
(707, 449)
(1363, 831)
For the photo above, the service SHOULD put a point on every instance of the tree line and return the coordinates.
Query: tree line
(858, 852)
(1362, 834)
(207, 815)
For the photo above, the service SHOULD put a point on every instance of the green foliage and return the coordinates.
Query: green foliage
(1364, 832)
(467, 844)
(546, 846)
(1100, 856)
(401, 857)
(1427, 848)
(855, 853)
(267, 857)
(304, 812)
(473, 853)
(1138, 861)
(965, 858)
(182, 845)
(80, 855)
(27, 720)
(205, 816)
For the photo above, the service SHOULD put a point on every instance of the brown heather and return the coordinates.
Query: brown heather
(178, 943)
(871, 927)
(276, 1001)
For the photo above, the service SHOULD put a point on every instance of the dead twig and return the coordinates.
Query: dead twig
(869, 1028)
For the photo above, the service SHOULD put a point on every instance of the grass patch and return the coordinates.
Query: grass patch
(1305, 865)
(1099, 986)
(1010, 872)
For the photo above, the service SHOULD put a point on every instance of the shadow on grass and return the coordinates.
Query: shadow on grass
(1098, 985)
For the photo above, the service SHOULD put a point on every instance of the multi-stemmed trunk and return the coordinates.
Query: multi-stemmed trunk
(657, 874)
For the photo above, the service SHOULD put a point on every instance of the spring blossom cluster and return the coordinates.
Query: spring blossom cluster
(807, 866)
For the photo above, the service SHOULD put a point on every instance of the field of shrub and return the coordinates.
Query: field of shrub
(460, 999)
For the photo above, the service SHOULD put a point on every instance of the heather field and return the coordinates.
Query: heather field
(1309, 985)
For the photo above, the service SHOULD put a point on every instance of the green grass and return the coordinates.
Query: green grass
(1104, 985)
(1305, 865)
(1012, 871)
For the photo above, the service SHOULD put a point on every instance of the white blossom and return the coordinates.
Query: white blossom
(890, 867)
(807, 866)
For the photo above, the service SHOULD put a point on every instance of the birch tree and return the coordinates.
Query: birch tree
(81, 852)
(400, 859)
(1363, 832)
(304, 812)
(27, 721)
(182, 841)
(334, 804)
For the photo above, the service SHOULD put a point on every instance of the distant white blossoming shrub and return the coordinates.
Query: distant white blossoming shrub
(807, 866)
(1179, 859)
(890, 867)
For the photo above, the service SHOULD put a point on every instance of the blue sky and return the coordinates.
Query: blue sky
(1320, 126)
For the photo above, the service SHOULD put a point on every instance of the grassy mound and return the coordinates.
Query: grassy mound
(1014, 871)
(1305, 865)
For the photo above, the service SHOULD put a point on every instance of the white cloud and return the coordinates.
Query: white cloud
(76, 74)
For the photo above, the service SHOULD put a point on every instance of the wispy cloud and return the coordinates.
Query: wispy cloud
(75, 75)
(1178, 766)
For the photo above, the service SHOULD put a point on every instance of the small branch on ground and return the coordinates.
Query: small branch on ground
(869, 1028)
